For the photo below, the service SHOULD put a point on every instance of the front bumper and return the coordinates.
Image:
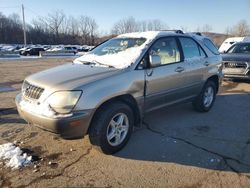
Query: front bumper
(75, 126)
(236, 69)
(238, 76)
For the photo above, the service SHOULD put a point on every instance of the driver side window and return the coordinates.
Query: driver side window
(167, 49)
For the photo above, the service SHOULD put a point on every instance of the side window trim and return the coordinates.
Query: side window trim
(201, 49)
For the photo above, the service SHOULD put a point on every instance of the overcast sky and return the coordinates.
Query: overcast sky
(176, 13)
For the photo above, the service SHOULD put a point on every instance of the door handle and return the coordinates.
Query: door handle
(206, 63)
(179, 69)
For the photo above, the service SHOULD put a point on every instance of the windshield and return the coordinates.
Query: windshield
(117, 45)
(240, 48)
(117, 53)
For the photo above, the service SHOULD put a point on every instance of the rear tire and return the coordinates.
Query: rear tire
(205, 100)
(111, 127)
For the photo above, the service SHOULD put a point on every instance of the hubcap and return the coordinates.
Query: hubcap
(117, 129)
(208, 96)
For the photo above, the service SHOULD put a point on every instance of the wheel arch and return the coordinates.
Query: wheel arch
(215, 79)
(125, 98)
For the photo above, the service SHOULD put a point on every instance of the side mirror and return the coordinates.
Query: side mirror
(154, 61)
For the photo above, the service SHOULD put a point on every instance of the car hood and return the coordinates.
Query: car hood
(69, 76)
(236, 57)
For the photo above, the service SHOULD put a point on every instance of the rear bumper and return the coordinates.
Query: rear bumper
(75, 126)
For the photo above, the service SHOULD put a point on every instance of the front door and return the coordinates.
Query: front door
(165, 84)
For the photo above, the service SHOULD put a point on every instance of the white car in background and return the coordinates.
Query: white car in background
(230, 41)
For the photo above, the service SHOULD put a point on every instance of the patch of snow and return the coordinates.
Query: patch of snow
(13, 156)
(149, 35)
(40, 109)
(118, 60)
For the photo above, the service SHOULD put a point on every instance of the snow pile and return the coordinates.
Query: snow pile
(118, 60)
(13, 156)
(149, 35)
(40, 109)
(124, 58)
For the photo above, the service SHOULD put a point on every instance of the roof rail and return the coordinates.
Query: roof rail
(174, 30)
(197, 33)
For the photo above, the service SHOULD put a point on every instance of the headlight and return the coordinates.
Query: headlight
(24, 86)
(64, 101)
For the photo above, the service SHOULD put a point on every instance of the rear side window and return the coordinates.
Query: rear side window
(210, 45)
(190, 48)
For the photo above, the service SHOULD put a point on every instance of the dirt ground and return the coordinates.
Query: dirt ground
(176, 147)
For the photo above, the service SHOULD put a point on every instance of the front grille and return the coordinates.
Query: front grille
(31, 91)
(234, 64)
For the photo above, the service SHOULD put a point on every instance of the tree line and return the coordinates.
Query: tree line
(58, 28)
(55, 28)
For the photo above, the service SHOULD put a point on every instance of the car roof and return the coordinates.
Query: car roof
(242, 43)
(150, 35)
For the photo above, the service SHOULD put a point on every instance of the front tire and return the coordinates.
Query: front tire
(205, 100)
(111, 127)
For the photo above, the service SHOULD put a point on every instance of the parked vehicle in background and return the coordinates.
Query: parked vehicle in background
(71, 49)
(46, 47)
(236, 61)
(107, 91)
(230, 41)
(31, 51)
(22, 50)
(10, 48)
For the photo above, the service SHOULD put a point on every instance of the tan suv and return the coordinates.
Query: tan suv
(108, 91)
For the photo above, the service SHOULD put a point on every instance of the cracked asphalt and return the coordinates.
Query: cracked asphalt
(175, 147)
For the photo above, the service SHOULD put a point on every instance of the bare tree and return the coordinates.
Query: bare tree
(207, 28)
(92, 30)
(155, 25)
(88, 28)
(184, 28)
(55, 21)
(143, 25)
(55, 28)
(241, 29)
(228, 31)
(71, 26)
(15, 19)
(126, 25)
(40, 24)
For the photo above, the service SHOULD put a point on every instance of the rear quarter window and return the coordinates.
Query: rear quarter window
(210, 45)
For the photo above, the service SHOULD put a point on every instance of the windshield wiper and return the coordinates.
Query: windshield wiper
(85, 62)
(97, 62)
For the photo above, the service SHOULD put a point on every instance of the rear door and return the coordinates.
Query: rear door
(195, 63)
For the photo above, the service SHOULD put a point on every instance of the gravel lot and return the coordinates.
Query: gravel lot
(176, 147)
